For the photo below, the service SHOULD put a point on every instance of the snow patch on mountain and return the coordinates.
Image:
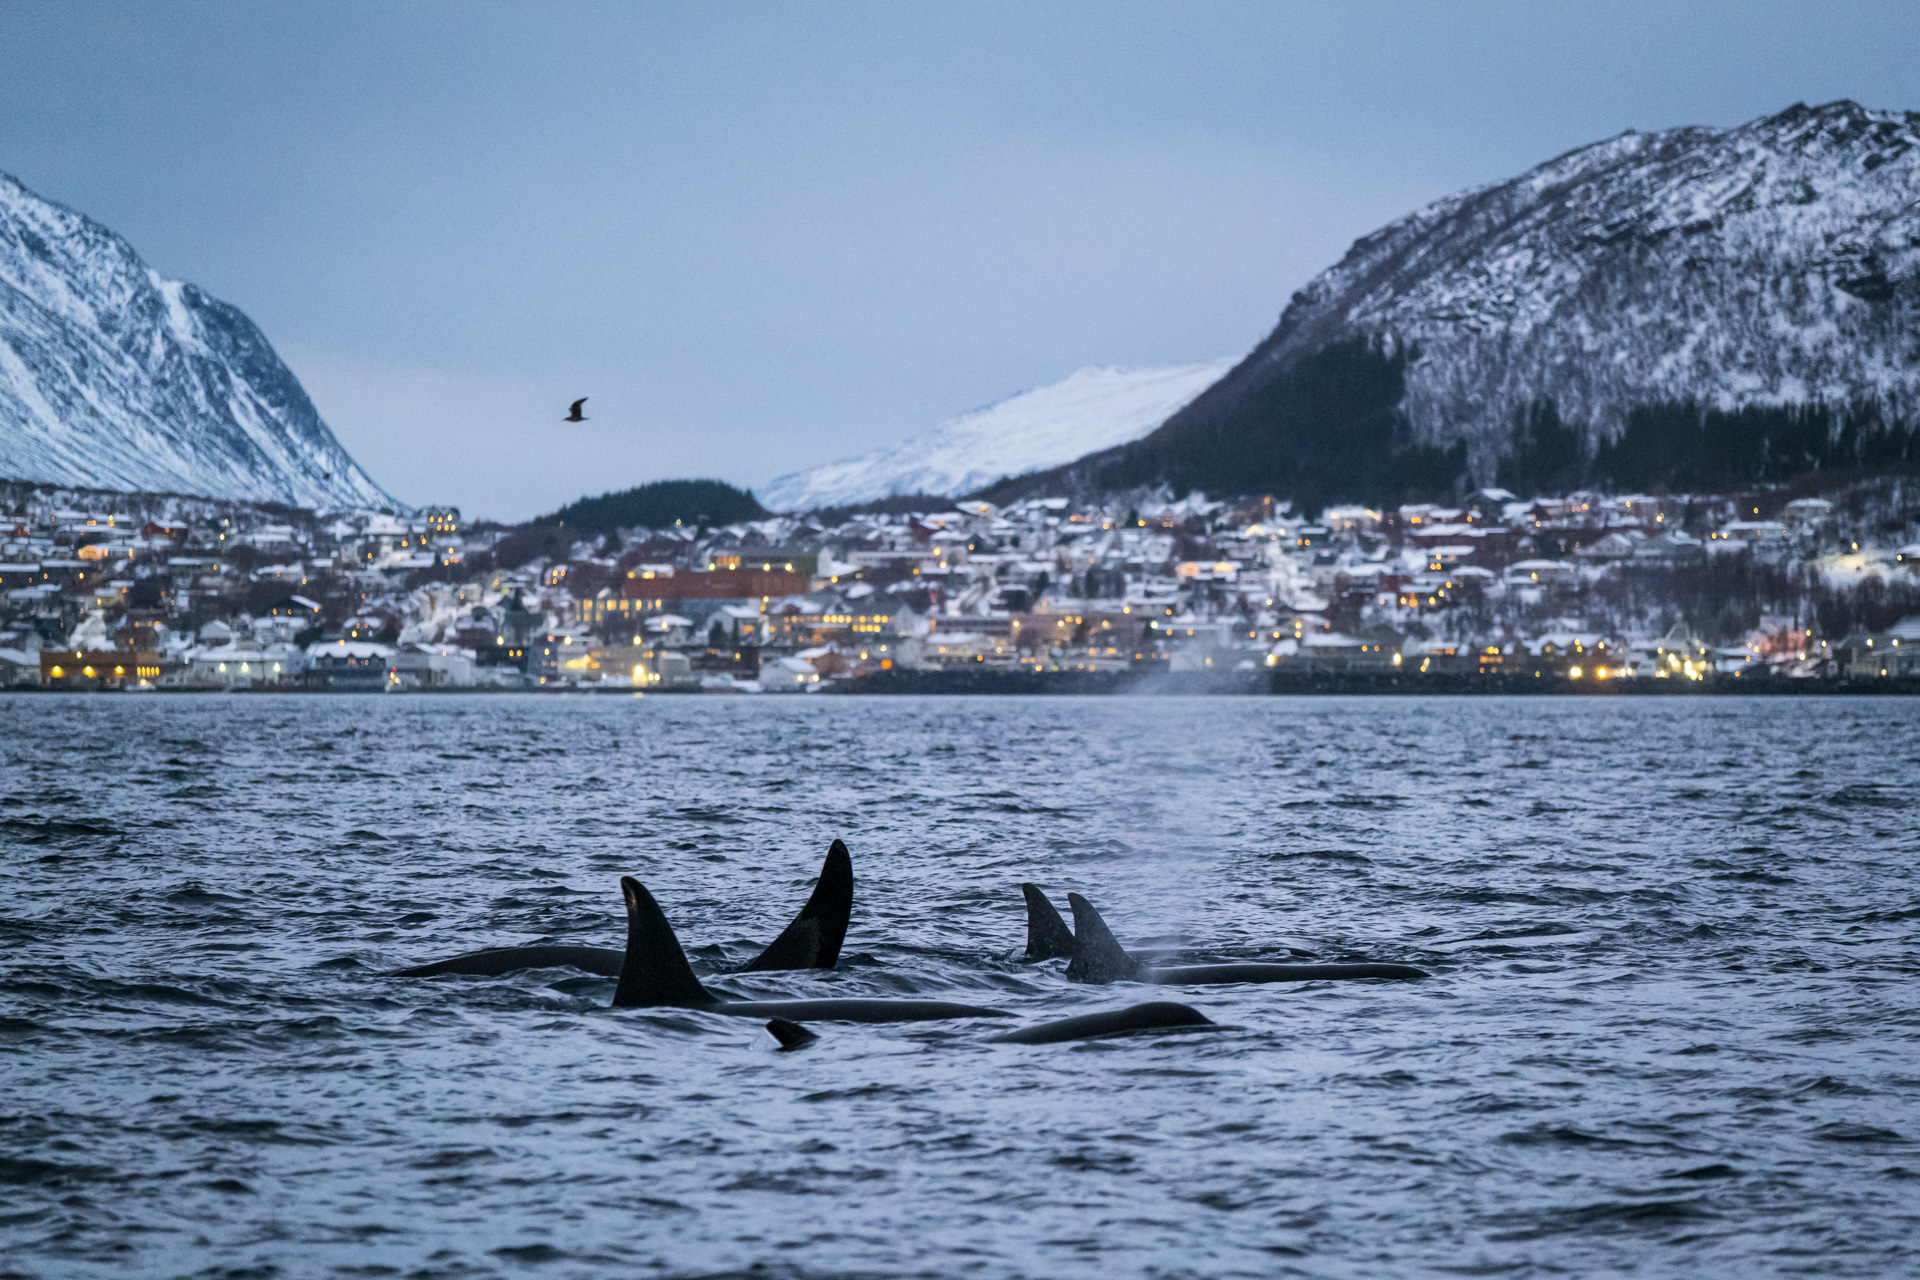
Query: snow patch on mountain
(1774, 263)
(1095, 408)
(114, 377)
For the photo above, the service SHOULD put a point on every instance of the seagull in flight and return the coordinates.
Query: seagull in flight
(574, 414)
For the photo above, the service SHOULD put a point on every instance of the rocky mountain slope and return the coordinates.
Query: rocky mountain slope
(1620, 296)
(1095, 408)
(113, 377)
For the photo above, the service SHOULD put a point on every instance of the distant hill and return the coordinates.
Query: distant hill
(114, 377)
(1694, 307)
(1092, 409)
(658, 504)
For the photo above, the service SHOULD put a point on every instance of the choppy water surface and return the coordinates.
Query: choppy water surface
(1713, 1066)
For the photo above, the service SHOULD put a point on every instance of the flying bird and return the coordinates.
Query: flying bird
(574, 414)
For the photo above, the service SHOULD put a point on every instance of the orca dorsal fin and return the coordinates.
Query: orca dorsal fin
(1047, 934)
(812, 940)
(791, 1035)
(655, 971)
(1098, 956)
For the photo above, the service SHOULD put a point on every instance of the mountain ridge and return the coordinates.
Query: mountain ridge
(115, 377)
(1755, 272)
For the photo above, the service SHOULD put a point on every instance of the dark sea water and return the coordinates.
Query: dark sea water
(1704, 1061)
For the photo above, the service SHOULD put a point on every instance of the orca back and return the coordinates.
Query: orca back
(491, 963)
(1259, 972)
(1158, 1015)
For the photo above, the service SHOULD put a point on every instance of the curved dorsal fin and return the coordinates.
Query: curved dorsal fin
(1098, 956)
(1047, 934)
(813, 940)
(655, 971)
(791, 1035)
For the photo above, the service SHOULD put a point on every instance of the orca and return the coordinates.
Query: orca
(1137, 1019)
(656, 974)
(1098, 958)
(1047, 934)
(791, 1035)
(1155, 1015)
(1049, 938)
(811, 941)
(495, 961)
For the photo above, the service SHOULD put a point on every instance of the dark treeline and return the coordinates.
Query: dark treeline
(1689, 447)
(695, 503)
(1548, 455)
(656, 505)
(1725, 597)
(1329, 430)
(1332, 429)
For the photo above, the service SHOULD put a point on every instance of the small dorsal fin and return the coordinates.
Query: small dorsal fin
(1047, 934)
(812, 940)
(1098, 956)
(656, 971)
(791, 1035)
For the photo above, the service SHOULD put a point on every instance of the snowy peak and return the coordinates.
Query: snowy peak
(1772, 264)
(114, 377)
(1093, 409)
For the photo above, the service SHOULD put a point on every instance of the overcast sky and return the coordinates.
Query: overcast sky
(761, 236)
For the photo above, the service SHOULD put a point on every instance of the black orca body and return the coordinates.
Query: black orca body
(491, 963)
(656, 973)
(1139, 1019)
(1099, 958)
(811, 941)
(1047, 934)
(1157, 1015)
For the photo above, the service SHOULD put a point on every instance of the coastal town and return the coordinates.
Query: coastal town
(1575, 590)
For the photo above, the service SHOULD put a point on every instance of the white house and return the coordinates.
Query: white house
(788, 675)
(1802, 512)
(18, 667)
(244, 666)
(1530, 573)
(433, 666)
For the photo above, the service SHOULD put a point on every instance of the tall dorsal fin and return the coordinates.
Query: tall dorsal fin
(813, 940)
(1047, 934)
(656, 971)
(1098, 956)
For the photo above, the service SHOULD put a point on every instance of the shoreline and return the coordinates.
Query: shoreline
(1329, 683)
(1237, 684)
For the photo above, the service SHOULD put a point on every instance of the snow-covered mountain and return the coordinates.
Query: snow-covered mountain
(1096, 408)
(113, 377)
(1772, 264)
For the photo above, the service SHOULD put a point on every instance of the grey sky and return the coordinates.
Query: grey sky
(760, 236)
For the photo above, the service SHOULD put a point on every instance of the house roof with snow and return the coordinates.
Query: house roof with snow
(348, 649)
